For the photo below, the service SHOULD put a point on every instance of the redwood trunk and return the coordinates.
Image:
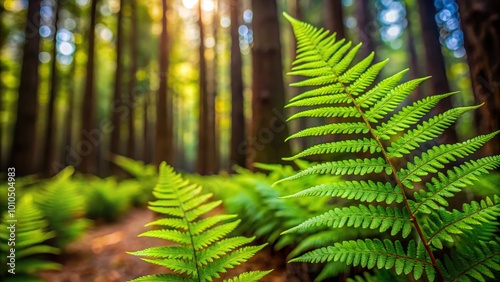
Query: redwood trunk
(206, 163)
(132, 81)
(481, 26)
(366, 27)
(116, 103)
(434, 61)
(237, 156)
(90, 136)
(269, 130)
(334, 19)
(163, 139)
(49, 153)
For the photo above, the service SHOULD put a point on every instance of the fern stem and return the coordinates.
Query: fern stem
(401, 186)
(188, 224)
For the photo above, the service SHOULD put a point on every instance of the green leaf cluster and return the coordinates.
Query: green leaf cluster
(32, 233)
(63, 205)
(200, 249)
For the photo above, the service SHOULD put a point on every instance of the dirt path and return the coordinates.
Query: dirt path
(100, 255)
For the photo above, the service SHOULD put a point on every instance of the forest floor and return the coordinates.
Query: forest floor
(100, 254)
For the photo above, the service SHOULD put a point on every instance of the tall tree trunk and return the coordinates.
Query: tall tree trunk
(163, 141)
(90, 136)
(206, 163)
(132, 81)
(334, 19)
(23, 149)
(69, 117)
(214, 87)
(49, 152)
(365, 27)
(115, 147)
(236, 155)
(481, 26)
(412, 51)
(269, 130)
(434, 61)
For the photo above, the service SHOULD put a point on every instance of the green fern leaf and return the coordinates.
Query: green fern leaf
(362, 216)
(445, 185)
(380, 90)
(443, 225)
(344, 167)
(353, 190)
(436, 157)
(426, 131)
(322, 96)
(477, 263)
(391, 133)
(408, 116)
(392, 100)
(374, 253)
(202, 250)
(344, 112)
(349, 146)
(31, 234)
(336, 128)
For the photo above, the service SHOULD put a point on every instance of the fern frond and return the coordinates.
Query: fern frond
(354, 190)
(31, 235)
(375, 253)
(392, 134)
(443, 225)
(344, 112)
(445, 185)
(349, 146)
(366, 78)
(362, 216)
(63, 206)
(476, 264)
(202, 250)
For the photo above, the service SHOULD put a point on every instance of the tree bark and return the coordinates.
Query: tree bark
(69, 116)
(132, 81)
(206, 163)
(237, 157)
(163, 140)
(269, 130)
(49, 153)
(434, 61)
(481, 26)
(334, 19)
(115, 147)
(90, 136)
(412, 52)
(23, 149)
(366, 27)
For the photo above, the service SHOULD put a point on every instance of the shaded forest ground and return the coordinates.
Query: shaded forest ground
(100, 254)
